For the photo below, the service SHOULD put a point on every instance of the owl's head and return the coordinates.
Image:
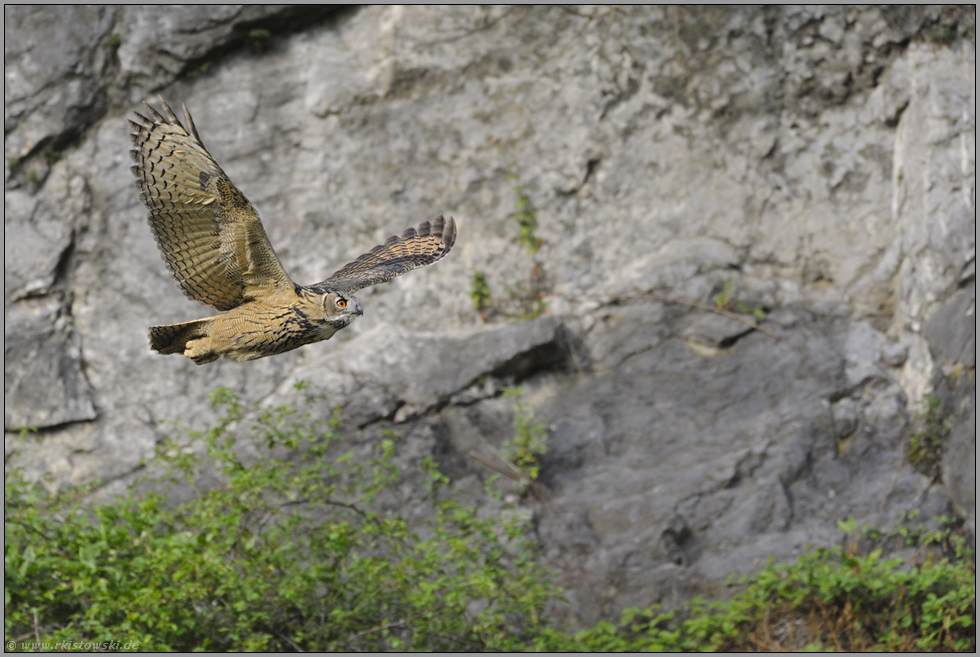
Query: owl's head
(340, 308)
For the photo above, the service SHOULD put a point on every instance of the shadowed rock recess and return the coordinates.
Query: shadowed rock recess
(815, 167)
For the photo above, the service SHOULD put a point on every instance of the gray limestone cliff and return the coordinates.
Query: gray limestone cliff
(815, 166)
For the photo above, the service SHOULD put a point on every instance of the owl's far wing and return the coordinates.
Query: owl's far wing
(414, 249)
(208, 232)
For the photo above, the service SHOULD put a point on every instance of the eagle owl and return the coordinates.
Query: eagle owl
(214, 243)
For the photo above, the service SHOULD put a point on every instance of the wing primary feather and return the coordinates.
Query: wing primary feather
(157, 117)
(191, 126)
(207, 230)
(171, 117)
(397, 255)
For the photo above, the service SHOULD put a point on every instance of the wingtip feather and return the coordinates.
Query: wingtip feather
(449, 234)
(156, 116)
(190, 125)
(171, 117)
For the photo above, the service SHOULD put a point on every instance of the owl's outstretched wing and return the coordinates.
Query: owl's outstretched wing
(414, 249)
(209, 233)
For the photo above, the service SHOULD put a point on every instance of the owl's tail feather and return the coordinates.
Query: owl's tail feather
(173, 339)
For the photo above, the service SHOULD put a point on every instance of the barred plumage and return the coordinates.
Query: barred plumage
(396, 256)
(214, 243)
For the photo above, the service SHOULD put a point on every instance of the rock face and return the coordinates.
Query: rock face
(815, 167)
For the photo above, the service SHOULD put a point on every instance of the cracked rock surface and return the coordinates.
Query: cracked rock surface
(814, 167)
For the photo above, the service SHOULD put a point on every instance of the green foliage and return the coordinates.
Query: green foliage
(725, 300)
(200, 69)
(480, 293)
(529, 443)
(523, 302)
(287, 544)
(848, 526)
(258, 40)
(879, 603)
(113, 40)
(918, 534)
(833, 600)
(283, 550)
(525, 217)
(926, 445)
(51, 154)
(33, 179)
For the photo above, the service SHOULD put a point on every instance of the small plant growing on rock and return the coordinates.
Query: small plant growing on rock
(722, 299)
(524, 301)
(926, 445)
(525, 217)
(530, 439)
(33, 180)
(258, 40)
(726, 300)
(51, 154)
(480, 293)
(200, 69)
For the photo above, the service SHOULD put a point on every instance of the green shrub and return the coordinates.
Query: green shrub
(827, 599)
(290, 548)
(290, 552)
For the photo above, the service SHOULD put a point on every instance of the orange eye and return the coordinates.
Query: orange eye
(341, 303)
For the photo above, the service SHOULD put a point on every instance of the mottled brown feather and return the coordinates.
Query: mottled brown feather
(208, 232)
(173, 339)
(214, 243)
(414, 249)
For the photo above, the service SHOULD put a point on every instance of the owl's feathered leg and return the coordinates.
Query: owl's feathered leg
(175, 339)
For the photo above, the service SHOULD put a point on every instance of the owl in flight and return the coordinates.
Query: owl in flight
(214, 243)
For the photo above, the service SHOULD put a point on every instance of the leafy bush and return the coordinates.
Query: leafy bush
(289, 552)
(827, 599)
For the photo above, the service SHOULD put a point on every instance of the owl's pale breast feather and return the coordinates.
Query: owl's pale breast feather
(215, 245)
